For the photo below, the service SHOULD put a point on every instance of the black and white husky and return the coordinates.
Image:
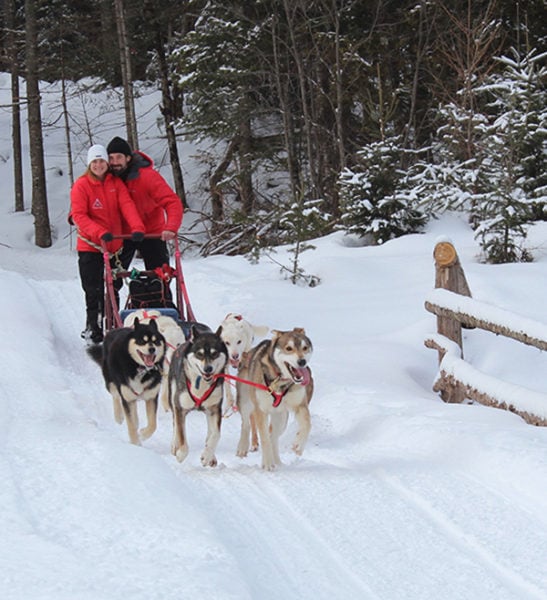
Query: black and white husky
(132, 360)
(195, 382)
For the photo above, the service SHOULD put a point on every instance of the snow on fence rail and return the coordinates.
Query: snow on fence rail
(452, 303)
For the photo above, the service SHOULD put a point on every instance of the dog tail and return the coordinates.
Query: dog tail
(96, 353)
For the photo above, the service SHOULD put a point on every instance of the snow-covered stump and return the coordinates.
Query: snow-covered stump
(455, 308)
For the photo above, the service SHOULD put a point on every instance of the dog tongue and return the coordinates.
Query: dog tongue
(304, 374)
(149, 359)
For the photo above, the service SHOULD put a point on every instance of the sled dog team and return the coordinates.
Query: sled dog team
(150, 358)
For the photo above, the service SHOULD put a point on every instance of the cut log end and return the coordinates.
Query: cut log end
(445, 254)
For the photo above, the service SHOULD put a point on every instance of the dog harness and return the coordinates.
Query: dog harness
(277, 396)
(199, 401)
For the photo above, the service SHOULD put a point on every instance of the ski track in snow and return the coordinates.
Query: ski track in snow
(503, 568)
(278, 540)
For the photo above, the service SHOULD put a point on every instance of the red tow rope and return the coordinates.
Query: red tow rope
(278, 397)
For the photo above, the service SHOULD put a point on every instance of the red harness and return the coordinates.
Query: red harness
(199, 401)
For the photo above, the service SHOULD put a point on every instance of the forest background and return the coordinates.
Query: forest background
(369, 116)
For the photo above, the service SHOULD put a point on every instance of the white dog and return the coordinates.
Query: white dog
(238, 335)
(171, 331)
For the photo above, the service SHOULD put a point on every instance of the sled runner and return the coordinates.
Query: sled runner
(146, 290)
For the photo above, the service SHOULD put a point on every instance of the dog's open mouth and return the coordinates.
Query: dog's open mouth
(208, 377)
(234, 362)
(149, 360)
(300, 375)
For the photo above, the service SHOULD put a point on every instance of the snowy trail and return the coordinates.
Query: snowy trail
(522, 580)
(346, 521)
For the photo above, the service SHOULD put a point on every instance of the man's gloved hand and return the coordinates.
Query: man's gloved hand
(107, 237)
(167, 235)
(137, 236)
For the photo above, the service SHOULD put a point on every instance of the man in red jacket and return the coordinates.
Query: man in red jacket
(159, 206)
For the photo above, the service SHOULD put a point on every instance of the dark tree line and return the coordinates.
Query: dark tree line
(293, 89)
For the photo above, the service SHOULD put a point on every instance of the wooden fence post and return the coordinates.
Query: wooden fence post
(449, 275)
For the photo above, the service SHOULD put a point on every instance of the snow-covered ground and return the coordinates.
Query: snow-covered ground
(398, 496)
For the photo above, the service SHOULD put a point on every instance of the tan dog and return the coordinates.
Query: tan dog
(171, 331)
(280, 381)
(238, 335)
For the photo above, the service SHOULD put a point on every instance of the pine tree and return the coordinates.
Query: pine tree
(380, 198)
(502, 181)
(514, 146)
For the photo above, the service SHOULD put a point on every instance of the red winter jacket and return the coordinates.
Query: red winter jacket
(98, 207)
(159, 206)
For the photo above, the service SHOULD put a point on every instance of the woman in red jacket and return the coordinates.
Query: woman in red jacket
(100, 208)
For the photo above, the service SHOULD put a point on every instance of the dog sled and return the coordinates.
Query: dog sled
(146, 290)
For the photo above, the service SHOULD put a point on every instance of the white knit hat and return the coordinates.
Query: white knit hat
(96, 151)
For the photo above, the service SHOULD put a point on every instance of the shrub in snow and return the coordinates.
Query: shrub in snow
(379, 197)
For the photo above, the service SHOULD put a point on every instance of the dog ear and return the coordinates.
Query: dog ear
(275, 334)
(299, 330)
(194, 332)
(136, 322)
(219, 331)
(260, 330)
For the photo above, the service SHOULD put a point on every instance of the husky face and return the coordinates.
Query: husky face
(207, 355)
(292, 351)
(146, 345)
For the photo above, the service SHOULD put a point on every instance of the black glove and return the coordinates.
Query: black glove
(137, 236)
(107, 237)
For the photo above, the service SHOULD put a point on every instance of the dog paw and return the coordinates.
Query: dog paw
(242, 450)
(180, 453)
(208, 461)
(269, 467)
(298, 449)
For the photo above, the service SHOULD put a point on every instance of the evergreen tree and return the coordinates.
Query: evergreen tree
(518, 102)
(379, 196)
(514, 147)
(503, 184)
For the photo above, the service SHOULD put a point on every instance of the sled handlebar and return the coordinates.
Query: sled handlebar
(127, 236)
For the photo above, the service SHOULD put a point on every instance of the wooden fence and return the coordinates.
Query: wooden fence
(452, 303)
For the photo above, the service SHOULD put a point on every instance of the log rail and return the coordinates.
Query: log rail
(451, 302)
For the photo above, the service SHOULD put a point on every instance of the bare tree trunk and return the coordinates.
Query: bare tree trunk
(245, 168)
(338, 78)
(286, 114)
(217, 207)
(42, 229)
(420, 43)
(67, 131)
(169, 112)
(11, 50)
(127, 79)
(304, 93)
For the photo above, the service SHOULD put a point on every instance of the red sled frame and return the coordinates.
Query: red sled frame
(112, 317)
